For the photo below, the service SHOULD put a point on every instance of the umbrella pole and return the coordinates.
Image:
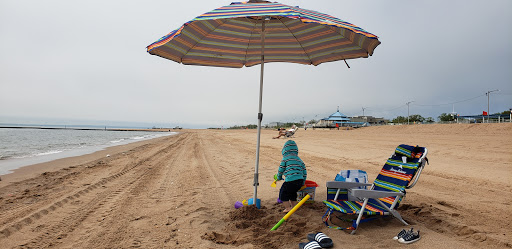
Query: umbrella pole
(260, 115)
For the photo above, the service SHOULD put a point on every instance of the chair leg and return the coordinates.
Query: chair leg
(360, 215)
(395, 213)
(398, 216)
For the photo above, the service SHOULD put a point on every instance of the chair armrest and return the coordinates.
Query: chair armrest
(346, 185)
(374, 194)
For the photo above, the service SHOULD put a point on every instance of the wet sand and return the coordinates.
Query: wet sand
(179, 191)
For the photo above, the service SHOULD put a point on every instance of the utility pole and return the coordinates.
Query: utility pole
(364, 108)
(408, 103)
(488, 93)
(454, 114)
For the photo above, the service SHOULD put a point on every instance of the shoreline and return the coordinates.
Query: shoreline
(33, 170)
(75, 146)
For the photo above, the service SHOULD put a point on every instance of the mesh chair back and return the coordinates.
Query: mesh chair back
(398, 171)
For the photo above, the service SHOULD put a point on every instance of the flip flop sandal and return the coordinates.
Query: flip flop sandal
(310, 245)
(323, 240)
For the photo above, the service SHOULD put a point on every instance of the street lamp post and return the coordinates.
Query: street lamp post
(408, 103)
(488, 93)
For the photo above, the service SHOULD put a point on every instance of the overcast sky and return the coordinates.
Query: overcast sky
(86, 61)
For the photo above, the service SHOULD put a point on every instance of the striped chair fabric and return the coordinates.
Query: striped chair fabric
(395, 175)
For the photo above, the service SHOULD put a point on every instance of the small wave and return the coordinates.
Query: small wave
(141, 137)
(117, 141)
(49, 152)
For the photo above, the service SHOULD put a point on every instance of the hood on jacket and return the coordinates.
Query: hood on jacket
(290, 147)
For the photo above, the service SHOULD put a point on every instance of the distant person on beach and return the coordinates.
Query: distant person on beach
(283, 131)
(294, 171)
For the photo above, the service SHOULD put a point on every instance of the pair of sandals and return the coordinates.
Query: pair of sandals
(316, 241)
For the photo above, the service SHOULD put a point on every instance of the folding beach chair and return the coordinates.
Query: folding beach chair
(400, 172)
(291, 133)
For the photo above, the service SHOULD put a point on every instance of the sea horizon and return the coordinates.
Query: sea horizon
(77, 126)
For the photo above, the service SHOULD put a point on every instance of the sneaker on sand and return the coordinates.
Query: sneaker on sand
(410, 238)
(402, 234)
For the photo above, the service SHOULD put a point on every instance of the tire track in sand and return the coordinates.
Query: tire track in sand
(81, 203)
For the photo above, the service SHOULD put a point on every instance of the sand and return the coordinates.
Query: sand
(179, 191)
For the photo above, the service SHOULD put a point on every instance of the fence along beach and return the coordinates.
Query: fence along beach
(178, 191)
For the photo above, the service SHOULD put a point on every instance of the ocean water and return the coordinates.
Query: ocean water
(22, 147)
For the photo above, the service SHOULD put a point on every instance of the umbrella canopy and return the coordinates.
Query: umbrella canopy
(230, 36)
(255, 32)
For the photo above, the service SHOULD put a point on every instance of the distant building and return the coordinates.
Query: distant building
(370, 120)
(344, 121)
(275, 124)
(334, 118)
(339, 119)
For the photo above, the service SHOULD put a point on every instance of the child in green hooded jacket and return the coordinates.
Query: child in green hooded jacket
(294, 171)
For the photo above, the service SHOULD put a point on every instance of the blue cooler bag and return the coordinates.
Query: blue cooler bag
(347, 176)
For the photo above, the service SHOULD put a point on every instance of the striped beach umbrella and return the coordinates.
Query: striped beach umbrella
(256, 32)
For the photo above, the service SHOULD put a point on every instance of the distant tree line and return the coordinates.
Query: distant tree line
(447, 117)
(253, 126)
(289, 125)
(416, 118)
(412, 119)
(444, 117)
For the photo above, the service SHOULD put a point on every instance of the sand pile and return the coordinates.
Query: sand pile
(249, 225)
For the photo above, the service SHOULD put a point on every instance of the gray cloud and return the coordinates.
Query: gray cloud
(87, 61)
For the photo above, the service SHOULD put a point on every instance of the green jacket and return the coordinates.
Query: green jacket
(291, 167)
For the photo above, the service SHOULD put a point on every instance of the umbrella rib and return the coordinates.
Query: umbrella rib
(355, 34)
(343, 57)
(249, 42)
(309, 58)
